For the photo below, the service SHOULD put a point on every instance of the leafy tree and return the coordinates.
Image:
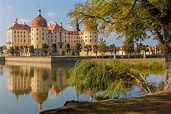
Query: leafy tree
(102, 46)
(53, 48)
(26, 50)
(128, 46)
(95, 49)
(67, 48)
(160, 47)
(45, 48)
(129, 19)
(21, 50)
(31, 49)
(87, 49)
(111, 49)
(16, 50)
(78, 48)
(12, 51)
(1, 50)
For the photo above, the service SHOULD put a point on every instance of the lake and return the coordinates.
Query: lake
(27, 88)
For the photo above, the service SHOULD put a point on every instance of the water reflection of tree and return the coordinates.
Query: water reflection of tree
(112, 78)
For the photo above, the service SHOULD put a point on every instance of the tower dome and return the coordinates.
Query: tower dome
(39, 21)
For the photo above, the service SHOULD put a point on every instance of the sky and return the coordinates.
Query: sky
(51, 10)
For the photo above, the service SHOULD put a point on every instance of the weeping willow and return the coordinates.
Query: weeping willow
(113, 77)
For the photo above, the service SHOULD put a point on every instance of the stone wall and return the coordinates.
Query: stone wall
(29, 59)
(45, 59)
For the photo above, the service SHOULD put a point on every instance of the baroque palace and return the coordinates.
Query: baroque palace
(39, 33)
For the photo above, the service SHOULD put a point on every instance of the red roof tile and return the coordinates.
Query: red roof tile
(17, 26)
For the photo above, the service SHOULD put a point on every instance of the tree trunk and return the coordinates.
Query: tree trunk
(168, 65)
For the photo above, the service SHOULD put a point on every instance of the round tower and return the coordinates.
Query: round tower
(39, 31)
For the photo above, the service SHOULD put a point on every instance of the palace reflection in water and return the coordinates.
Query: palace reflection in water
(38, 80)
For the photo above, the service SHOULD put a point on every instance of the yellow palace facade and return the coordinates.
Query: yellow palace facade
(39, 33)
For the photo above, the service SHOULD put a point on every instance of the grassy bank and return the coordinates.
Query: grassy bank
(157, 103)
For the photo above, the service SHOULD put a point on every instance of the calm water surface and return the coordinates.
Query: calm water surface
(29, 88)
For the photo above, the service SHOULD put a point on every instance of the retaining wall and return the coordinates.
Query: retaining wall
(45, 59)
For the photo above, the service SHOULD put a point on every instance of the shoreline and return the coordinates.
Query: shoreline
(158, 102)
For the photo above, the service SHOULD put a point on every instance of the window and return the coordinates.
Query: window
(43, 34)
(85, 40)
(42, 29)
(90, 40)
(42, 38)
(37, 38)
(37, 29)
(14, 31)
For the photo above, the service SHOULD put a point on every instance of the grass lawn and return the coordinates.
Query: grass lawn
(158, 103)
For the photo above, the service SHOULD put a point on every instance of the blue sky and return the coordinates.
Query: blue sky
(52, 11)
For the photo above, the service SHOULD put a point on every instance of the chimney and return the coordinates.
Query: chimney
(55, 22)
(16, 21)
(24, 23)
(61, 24)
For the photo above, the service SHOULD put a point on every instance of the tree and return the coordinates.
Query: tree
(45, 48)
(31, 49)
(160, 47)
(78, 48)
(21, 50)
(87, 48)
(128, 47)
(102, 46)
(12, 51)
(16, 50)
(130, 19)
(111, 49)
(67, 48)
(25, 50)
(95, 49)
(53, 48)
(1, 50)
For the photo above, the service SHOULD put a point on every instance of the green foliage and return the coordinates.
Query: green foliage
(31, 49)
(53, 48)
(45, 47)
(102, 46)
(113, 75)
(67, 48)
(87, 48)
(95, 49)
(78, 48)
(16, 50)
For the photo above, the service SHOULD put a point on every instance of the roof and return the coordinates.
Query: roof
(39, 21)
(90, 28)
(17, 26)
(75, 32)
(56, 27)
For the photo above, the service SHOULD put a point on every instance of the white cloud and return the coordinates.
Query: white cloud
(50, 14)
(10, 6)
(22, 20)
